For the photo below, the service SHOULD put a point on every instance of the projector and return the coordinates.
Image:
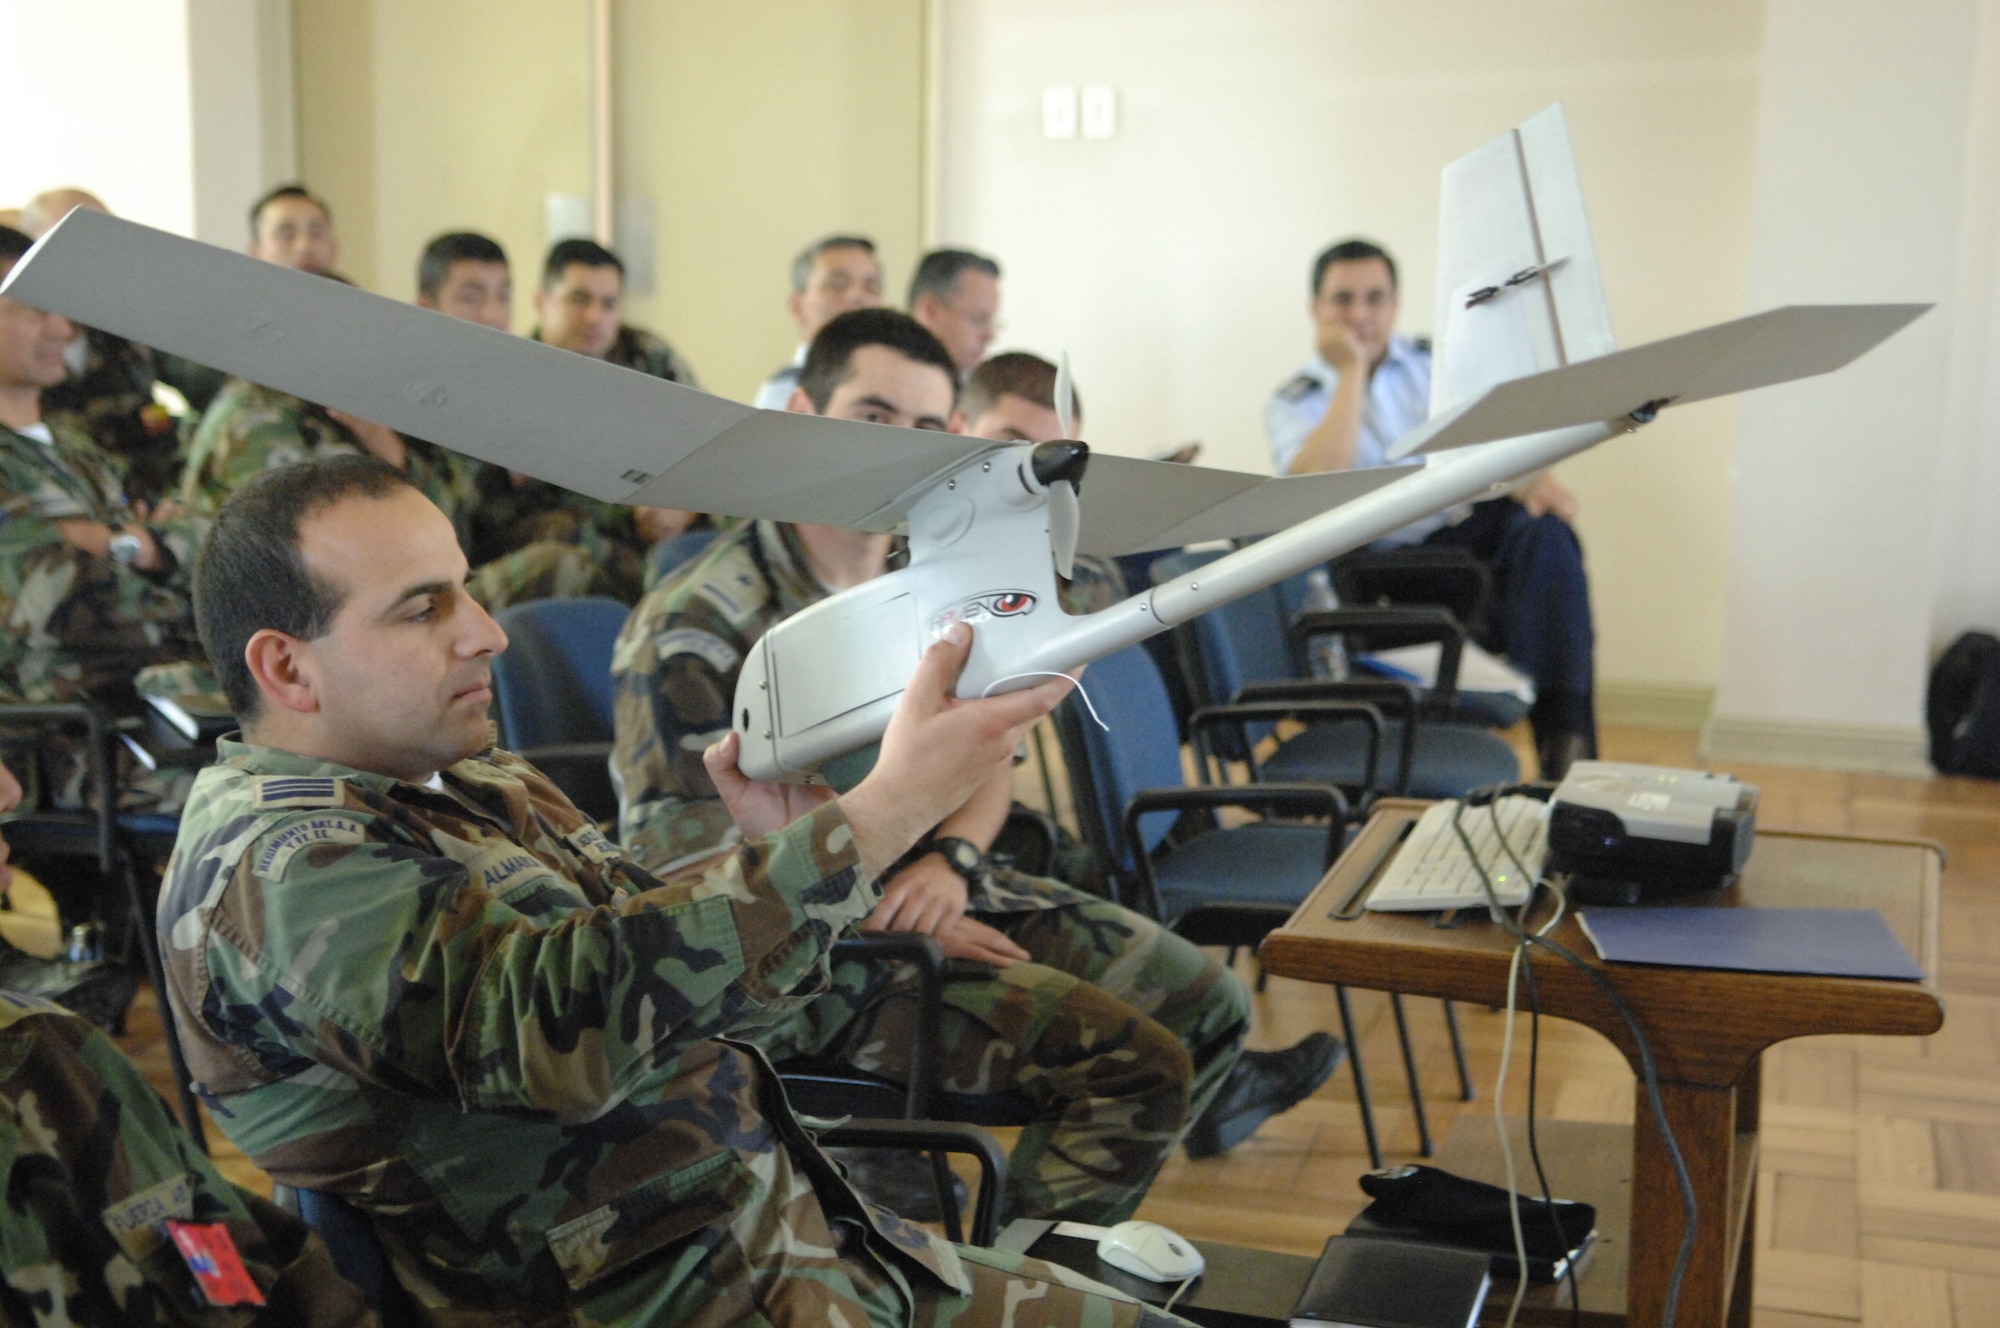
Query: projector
(1629, 834)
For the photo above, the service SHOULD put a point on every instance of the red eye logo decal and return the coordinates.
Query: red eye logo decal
(983, 608)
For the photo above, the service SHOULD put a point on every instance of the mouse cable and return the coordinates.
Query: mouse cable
(1649, 1068)
(1186, 1282)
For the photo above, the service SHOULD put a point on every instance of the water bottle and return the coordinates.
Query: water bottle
(1325, 651)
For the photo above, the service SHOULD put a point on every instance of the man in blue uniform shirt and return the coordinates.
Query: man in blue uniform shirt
(1363, 388)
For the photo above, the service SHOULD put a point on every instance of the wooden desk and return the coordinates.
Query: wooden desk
(1708, 1028)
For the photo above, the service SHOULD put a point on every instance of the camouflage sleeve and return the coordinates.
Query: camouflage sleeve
(666, 717)
(241, 435)
(94, 1166)
(506, 987)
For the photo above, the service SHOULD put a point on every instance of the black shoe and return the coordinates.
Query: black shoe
(898, 1180)
(1262, 1084)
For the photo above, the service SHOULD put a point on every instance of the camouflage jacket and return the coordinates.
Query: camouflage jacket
(249, 429)
(465, 1010)
(648, 352)
(76, 622)
(673, 674)
(111, 401)
(94, 1166)
(506, 516)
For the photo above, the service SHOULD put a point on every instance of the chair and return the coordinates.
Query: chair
(1216, 886)
(1439, 578)
(552, 694)
(121, 847)
(1246, 651)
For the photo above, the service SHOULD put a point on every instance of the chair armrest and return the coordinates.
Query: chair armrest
(925, 952)
(941, 1137)
(1307, 710)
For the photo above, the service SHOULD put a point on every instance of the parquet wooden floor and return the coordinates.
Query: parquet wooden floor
(1880, 1174)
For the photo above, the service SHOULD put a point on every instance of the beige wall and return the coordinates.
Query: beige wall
(1172, 262)
(750, 129)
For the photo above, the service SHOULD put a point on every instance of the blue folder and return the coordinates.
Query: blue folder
(1825, 942)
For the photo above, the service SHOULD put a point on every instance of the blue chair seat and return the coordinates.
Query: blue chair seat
(1269, 862)
(1449, 758)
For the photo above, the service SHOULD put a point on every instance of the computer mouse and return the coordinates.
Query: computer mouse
(1151, 1251)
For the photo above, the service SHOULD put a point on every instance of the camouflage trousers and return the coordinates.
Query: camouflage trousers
(804, 1258)
(1118, 1031)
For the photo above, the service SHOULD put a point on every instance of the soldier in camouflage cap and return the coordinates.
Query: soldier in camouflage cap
(407, 970)
(1119, 1031)
(93, 1167)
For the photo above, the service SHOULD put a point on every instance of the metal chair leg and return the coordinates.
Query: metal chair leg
(1465, 1089)
(1424, 1148)
(1360, 1078)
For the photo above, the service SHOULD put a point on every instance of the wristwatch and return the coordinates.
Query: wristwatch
(961, 855)
(125, 548)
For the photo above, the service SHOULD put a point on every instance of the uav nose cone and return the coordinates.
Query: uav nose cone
(1062, 459)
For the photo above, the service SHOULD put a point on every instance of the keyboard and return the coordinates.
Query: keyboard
(1431, 870)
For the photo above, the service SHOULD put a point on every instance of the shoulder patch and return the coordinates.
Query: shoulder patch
(1299, 388)
(298, 791)
(709, 648)
(281, 847)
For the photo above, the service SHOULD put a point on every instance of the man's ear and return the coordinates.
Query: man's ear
(277, 661)
(799, 403)
(793, 304)
(426, 300)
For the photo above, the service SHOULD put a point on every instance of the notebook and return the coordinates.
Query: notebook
(1364, 1283)
(1824, 942)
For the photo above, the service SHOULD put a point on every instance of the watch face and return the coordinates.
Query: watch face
(124, 549)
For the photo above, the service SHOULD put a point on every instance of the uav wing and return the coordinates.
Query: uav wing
(593, 427)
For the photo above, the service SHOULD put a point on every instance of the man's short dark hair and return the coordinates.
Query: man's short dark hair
(802, 266)
(454, 247)
(13, 244)
(293, 190)
(564, 253)
(1351, 251)
(1014, 373)
(829, 358)
(251, 575)
(939, 270)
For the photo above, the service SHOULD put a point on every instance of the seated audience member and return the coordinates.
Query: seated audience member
(1079, 976)
(107, 389)
(829, 278)
(94, 593)
(956, 294)
(539, 1110)
(577, 308)
(293, 227)
(1362, 389)
(465, 274)
(93, 590)
(94, 1167)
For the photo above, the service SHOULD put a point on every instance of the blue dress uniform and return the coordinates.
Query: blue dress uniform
(1542, 610)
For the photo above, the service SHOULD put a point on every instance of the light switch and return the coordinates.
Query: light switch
(1059, 112)
(1100, 113)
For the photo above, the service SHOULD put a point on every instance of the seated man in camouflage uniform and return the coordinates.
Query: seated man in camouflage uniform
(407, 970)
(93, 1166)
(577, 309)
(1089, 1007)
(90, 590)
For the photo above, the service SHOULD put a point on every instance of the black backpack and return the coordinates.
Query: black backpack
(1962, 707)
